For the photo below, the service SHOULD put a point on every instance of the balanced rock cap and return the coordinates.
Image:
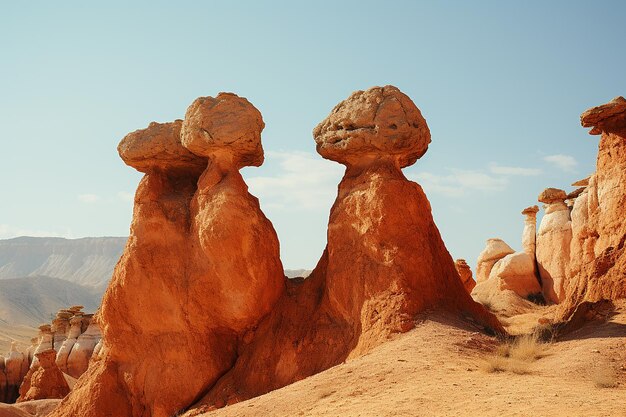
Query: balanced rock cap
(530, 210)
(158, 147)
(582, 183)
(381, 121)
(606, 117)
(226, 125)
(552, 195)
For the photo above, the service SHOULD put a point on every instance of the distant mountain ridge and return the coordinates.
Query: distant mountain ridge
(32, 301)
(86, 261)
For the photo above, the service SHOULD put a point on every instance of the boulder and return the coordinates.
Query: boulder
(553, 244)
(43, 380)
(495, 250)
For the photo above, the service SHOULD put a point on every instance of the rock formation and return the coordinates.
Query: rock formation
(44, 380)
(82, 349)
(598, 261)
(45, 341)
(529, 235)
(200, 269)
(465, 272)
(384, 261)
(199, 308)
(15, 371)
(553, 244)
(73, 332)
(495, 250)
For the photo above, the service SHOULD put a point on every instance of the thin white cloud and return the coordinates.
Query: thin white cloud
(88, 198)
(515, 171)
(125, 196)
(565, 163)
(303, 181)
(459, 182)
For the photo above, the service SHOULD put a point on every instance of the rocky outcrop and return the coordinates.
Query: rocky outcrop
(201, 267)
(495, 250)
(384, 261)
(598, 258)
(82, 349)
(15, 371)
(553, 244)
(199, 308)
(529, 234)
(73, 332)
(43, 380)
(465, 272)
(45, 341)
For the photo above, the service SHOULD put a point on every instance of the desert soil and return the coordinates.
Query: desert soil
(437, 369)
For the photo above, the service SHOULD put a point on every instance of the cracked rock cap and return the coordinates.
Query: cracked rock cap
(158, 147)
(381, 121)
(608, 117)
(228, 126)
(530, 210)
(552, 195)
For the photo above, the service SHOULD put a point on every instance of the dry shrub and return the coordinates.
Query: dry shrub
(604, 377)
(515, 356)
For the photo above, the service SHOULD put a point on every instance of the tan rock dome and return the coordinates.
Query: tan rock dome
(158, 147)
(378, 122)
(226, 126)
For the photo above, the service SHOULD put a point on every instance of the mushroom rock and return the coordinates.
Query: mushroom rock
(63, 352)
(82, 349)
(384, 262)
(553, 244)
(30, 352)
(495, 249)
(529, 234)
(60, 327)
(45, 341)
(465, 273)
(13, 369)
(44, 380)
(598, 260)
(200, 269)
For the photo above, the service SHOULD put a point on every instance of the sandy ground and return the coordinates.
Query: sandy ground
(435, 370)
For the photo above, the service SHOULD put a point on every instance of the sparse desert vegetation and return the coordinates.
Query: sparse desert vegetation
(516, 355)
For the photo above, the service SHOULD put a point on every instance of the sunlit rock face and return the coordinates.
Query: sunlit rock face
(553, 244)
(384, 262)
(598, 258)
(199, 308)
(465, 273)
(44, 380)
(200, 269)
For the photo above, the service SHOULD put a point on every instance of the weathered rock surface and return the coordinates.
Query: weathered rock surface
(44, 380)
(529, 234)
(495, 250)
(384, 262)
(598, 258)
(81, 350)
(15, 372)
(199, 308)
(553, 244)
(465, 272)
(200, 269)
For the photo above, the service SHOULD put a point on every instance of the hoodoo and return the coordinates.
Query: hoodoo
(199, 314)
(598, 256)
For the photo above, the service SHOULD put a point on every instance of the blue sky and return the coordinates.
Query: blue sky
(501, 85)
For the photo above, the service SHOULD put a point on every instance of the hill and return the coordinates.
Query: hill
(31, 301)
(87, 261)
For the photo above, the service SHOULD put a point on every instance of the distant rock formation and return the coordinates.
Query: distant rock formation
(598, 257)
(465, 272)
(495, 250)
(553, 244)
(45, 380)
(509, 274)
(199, 307)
